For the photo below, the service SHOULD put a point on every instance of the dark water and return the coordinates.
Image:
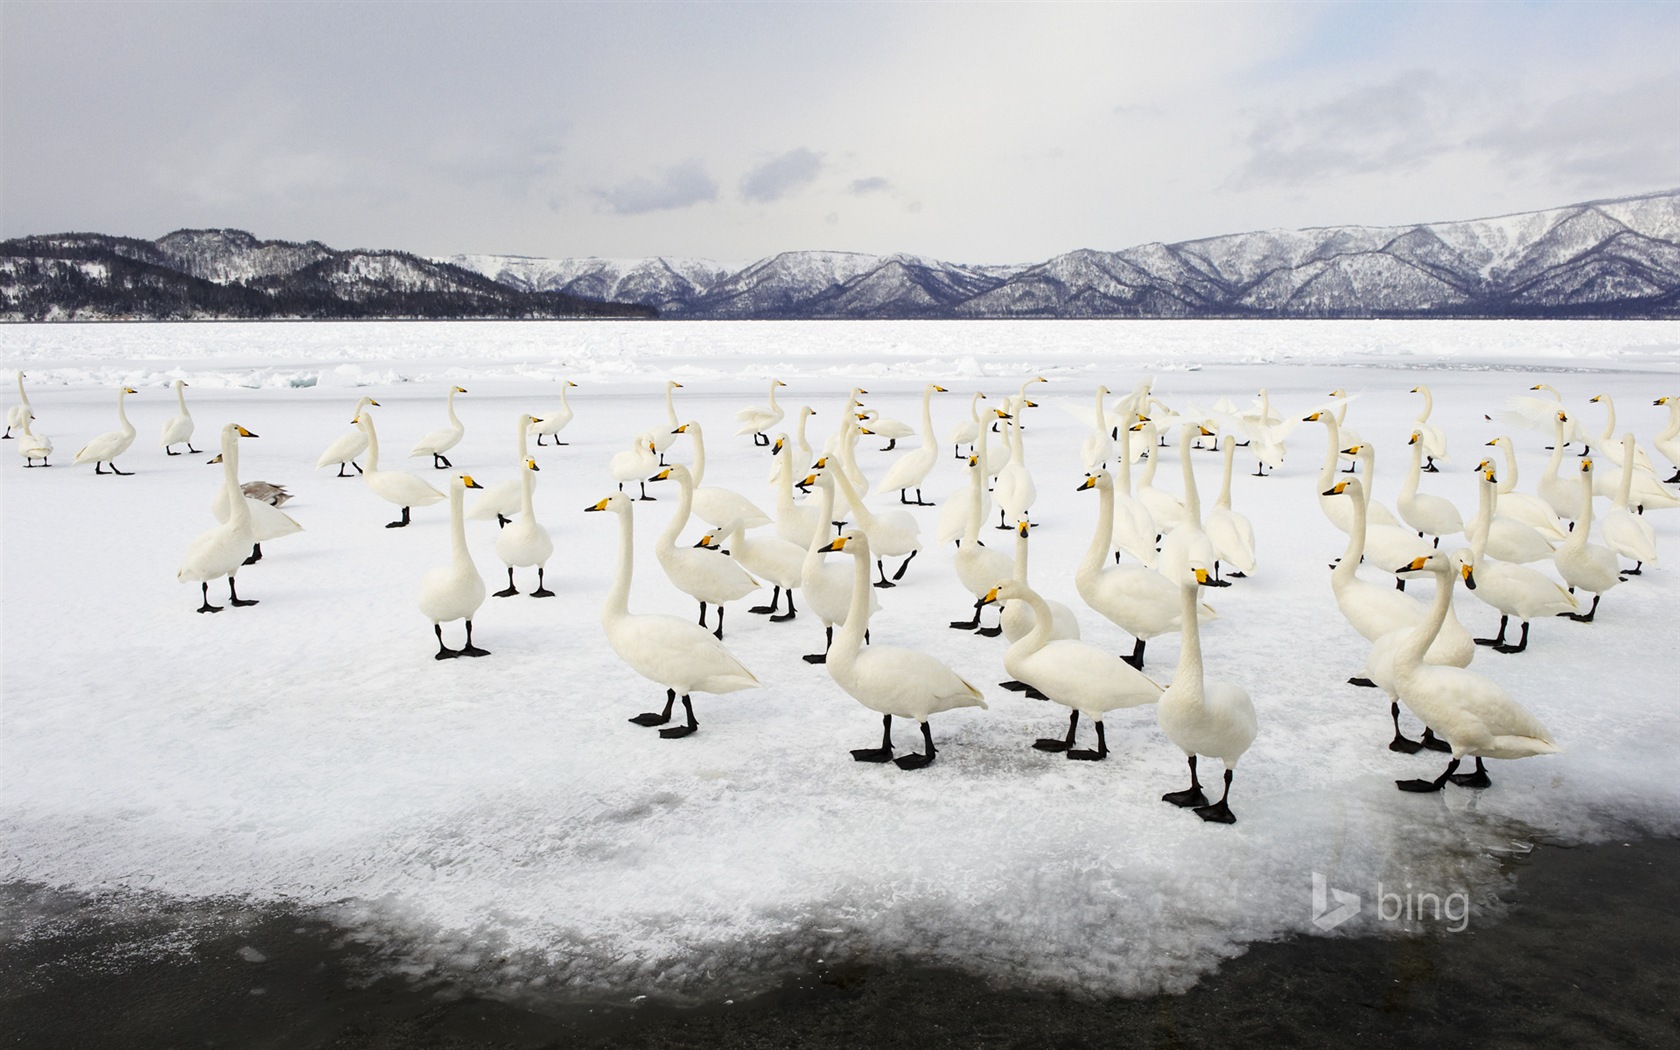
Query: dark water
(1587, 955)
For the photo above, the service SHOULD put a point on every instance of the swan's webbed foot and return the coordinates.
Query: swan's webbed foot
(1087, 754)
(776, 617)
(444, 652)
(883, 581)
(400, 522)
(1218, 813)
(1014, 686)
(1190, 796)
(648, 718)
(925, 758)
(123, 473)
(510, 590)
(989, 632)
(470, 649)
(1477, 779)
(899, 575)
(1586, 617)
(775, 600)
(441, 461)
(815, 658)
(1363, 683)
(1425, 786)
(877, 754)
(235, 600)
(1047, 743)
(1136, 659)
(541, 591)
(502, 520)
(1522, 643)
(1404, 744)
(1433, 742)
(207, 607)
(969, 625)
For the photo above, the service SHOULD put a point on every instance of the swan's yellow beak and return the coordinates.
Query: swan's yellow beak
(1563, 417)
(1415, 438)
(374, 403)
(243, 432)
(1353, 451)
(1536, 386)
(776, 449)
(1415, 389)
(1090, 482)
(1022, 529)
(1001, 414)
(1412, 566)
(130, 390)
(820, 464)
(597, 506)
(1495, 441)
(466, 479)
(866, 430)
(991, 596)
(1489, 474)
(664, 475)
(1205, 431)
(810, 479)
(780, 383)
(460, 390)
(1594, 399)
(974, 461)
(213, 462)
(1336, 490)
(531, 464)
(939, 389)
(1660, 401)
(676, 385)
(838, 544)
(1202, 576)
(681, 430)
(1586, 465)
(1314, 418)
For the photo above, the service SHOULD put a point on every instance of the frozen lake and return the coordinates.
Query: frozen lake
(308, 750)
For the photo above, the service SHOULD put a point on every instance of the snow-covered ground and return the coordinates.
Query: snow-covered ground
(501, 816)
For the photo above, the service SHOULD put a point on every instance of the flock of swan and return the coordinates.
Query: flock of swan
(1151, 553)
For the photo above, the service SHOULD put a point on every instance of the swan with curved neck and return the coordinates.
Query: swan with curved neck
(1098, 445)
(1476, 716)
(1188, 544)
(966, 431)
(1434, 439)
(892, 532)
(552, 423)
(664, 436)
(105, 448)
(635, 464)
(1204, 716)
(440, 441)
(455, 591)
(503, 499)
(759, 418)
(913, 467)
(683, 657)
(978, 566)
(1503, 538)
(797, 523)
(889, 679)
(1135, 531)
(1015, 491)
(393, 486)
(1230, 530)
(1523, 506)
(767, 557)
(714, 504)
(707, 576)
(1428, 514)
(1668, 442)
(1585, 565)
(1562, 494)
(826, 585)
(178, 428)
(348, 445)
(20, 413)
(221, 551)
(524, 542)
(33, 446)
(1019, 618)
(1513, 589)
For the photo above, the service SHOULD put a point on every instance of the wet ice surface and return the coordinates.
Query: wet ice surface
(501, 816)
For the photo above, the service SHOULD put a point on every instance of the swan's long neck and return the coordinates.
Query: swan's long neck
(181, 399)
(458, 524)
(1487, 496)
(1428, 404)
(1020, 556)
(977, 483)
(670, 406)
(784, 481)
(1669, 432)
(23, 395)
(1422, 636)
(825, 511)
(525, 483)
(1124, 464)
(685, 504)
(1333, 430)
(618, 598)
(1150, 442)
(865, 519)
(928, 440)
(1015, 445)
(1102, 410)
(565, 406)
(1103, 538)
(850, 636)
(1509, 481)
(373, 446)
(1043, 621)
(524, 428)
(973, 406)
(1192, 498)
(775, 409)
(983, 451)
(1344, 570)
(1409, 488)
(1583, 521)
(804, 445)
(1609, 434)
(1189, 673)
(1228, 448)
(122, 412)
(1624, 495)
(699, 470)
(239, 513)
(449, 407)
(1557, 449)
(1368, 463)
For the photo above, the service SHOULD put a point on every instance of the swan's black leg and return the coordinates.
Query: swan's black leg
(1522, 643)
(1675, 480)
(510, 590)
(1002, 524)
(444, 652)
(1422, 786)
(353, 463)
(1050, 743)
(204, 589)
(719, 632)
(775, 599)
(541, 591)
(651, 719)
(446, 465)
(97, 468)
(1433, 742)
(1478, 779)
(255, 555)
(1087, 755)
(790, 614)
(341, 473)
(899, 575)
(1498, 641)
(400, 522)
(923, 759)
(1400, 742)
(822, 657)
(892, 443)
(470, 649)
(1590, 613)
(502, 520)
(1136, 659)
(760, 440)
(114, 470)
(882, 569)
(683, 730)
(194, 451)
(234, 599)
(1219, 812)
(169, 451)
(1635, 571)
(969, 625)
(1190, 796)
(992, 631)
(702, 614)
(877, 754)
(645, 498)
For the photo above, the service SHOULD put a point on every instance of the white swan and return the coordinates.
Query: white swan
(1504, 538)
(966, 431)
(1135, 530)
(1139, 601)
(1188, 544)
(1522, 506)
(393, 486)
(440, 441)
(1474, 714)
(1434, 439)
(682, 656)
(912, 468)
(827, 586)
(636, 463)
(978, 566)
(32, 446)
(1540, 413)
(1583, 564)
(525, 542)
(797, 523)
(1610, 446)
(501, 500)
(890, 679)
(1020, 618)
(1098, 446)
(893, 430)
(1230, 530)
(1340, 512)
(708, 576)
(1513, 589)
(1668, 442)
(1384, 544)
(268, 521)
(767, 557)
(454, 591)
(1428, 514)
(221, 551)
(665, 436)
(1073, 673)
(714, 504)
(178, 428)
(108, 446)
(1561, 493)
(552, 423)
(955, 514)
(349, 445)
(20, 413)
(1015, 492)
(1204, 717)
(759, 418)
(892, 533)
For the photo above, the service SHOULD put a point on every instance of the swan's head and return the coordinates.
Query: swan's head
(1586, 465)
(778, 382)
(1001, 414)
(459, 389)
(531, 464)
(468, 482)
(866, 430)
(129, 390)
(1349, 485)
(1595, 399)
(852, 541)
(682, 429)
(1353, 450)
(527, 419)
(1006, 590)
(1023, 528)
(1097, 479)
(1437, 563)
(570, 383)
(618, 503)
(179, 383)
(1563, 417)
(1314, 418)
(242, 432)
(676, 472)
(936, 388)
(672, 384)
(1662, 401)
(974, 461)
(1417, 435)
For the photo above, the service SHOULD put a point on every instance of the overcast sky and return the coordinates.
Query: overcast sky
(981, 133)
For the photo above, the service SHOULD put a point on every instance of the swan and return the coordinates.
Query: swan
(1139, 601)
(1434, 439)
(178, 428)
(1513, 589)
(393, 486)
(349, 445)
(17, 415)
(827, 586)
(501, 500)
(525, 541)
(1203, 717)
(664, 436)
(890, 679)
(438, 442)
(262, 501)
(1340, 512)
(32, 446)
(454, 591)
(1477, 717)
(636, 463)
(892, 532)
(1668, 442)
(1073, 673)
(1610, 447)
(1521, 506)
(768, 557)
(913, 467)
(1375, 611)
(683, 657)
(1188, 544)
(1507, 539)
(1428, 514)
(955, 514)
(884, 426)
(1019, 618)
(759, 418)
(713, 504)
(1384, 544)
(1562, 494)
(1230, 530)
(552, 423)
(706, 575)
(1014, 491)
(108, 446)
(797, 523)
(978, 566)
(1266, 434)
(1540, 413)
(966, 431)
(1135, 531)
(1166, 510)
(221, 551)
(1098, 445)
(1583, 564)
(1349, 436)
